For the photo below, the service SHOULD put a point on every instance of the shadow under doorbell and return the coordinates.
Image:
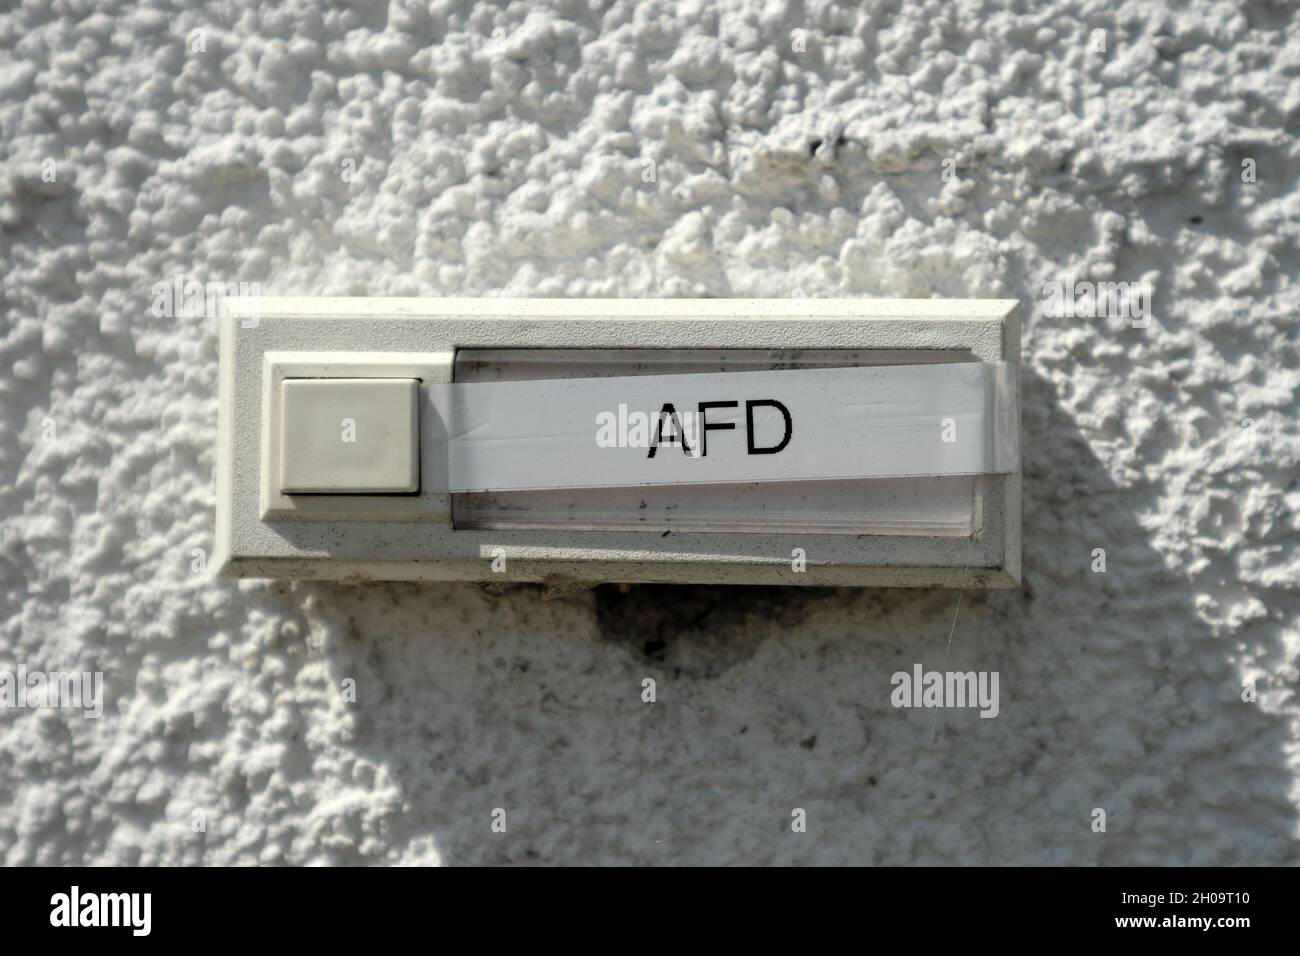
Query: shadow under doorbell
(742, 441)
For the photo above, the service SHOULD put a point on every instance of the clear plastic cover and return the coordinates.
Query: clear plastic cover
(931, 506)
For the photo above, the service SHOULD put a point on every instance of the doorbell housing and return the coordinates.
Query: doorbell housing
(744, 441)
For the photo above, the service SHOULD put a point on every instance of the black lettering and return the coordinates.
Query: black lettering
(668, 412)
(749, 424)
(705, 426)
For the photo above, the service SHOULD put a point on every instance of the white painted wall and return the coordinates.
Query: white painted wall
(473, 150)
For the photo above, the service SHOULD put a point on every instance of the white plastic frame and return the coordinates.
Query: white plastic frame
(261, 533)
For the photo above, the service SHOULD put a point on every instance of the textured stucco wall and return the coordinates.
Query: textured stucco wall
(505, 150)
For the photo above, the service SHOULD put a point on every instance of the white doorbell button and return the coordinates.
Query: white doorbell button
(349, 436)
